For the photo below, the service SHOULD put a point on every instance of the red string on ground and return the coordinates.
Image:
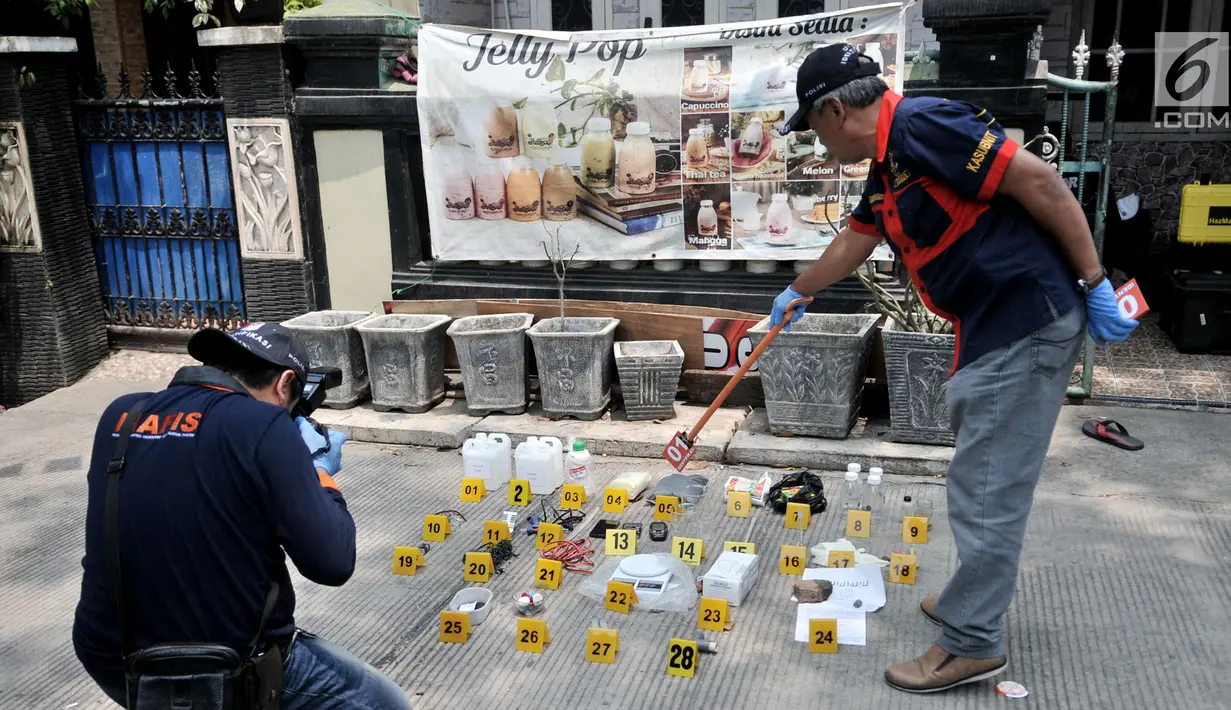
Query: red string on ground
(573, 555)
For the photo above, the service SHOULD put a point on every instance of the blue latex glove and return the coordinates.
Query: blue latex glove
(326, 453)
(1103, 317)
(779, 311)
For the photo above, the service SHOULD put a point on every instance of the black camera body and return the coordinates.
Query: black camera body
(320, 380)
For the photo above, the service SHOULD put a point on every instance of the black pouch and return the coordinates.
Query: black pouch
(264, 680)
(190, 677)
(207, 677)
(185, 676)
(798, 487)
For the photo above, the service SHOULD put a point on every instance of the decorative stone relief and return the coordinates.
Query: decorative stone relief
(266, 201)
(19, 230)
(918, 366)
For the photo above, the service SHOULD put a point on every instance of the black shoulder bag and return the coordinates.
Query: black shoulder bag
(185, 676)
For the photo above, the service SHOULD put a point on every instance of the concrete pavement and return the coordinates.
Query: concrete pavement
(1121, 602)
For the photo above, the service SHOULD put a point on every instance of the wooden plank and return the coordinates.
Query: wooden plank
(702, 386)
(668, 309)
(455, 308)
(633, 325)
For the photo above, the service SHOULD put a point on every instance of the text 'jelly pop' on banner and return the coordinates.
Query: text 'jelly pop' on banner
(636, 144)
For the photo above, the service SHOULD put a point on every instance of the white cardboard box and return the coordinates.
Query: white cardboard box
(731, 577)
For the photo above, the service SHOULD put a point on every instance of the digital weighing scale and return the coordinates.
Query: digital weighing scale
(646, 573)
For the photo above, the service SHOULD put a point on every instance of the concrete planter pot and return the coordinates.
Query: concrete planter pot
(492, 353)
(917, 366)
(406, 356)
(332, 341)
(649, 376)
(574, 358)
(813, 376)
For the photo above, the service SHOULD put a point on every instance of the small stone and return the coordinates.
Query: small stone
(812, 590)
(858, 603)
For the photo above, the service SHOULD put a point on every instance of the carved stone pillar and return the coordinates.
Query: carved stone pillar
(263, 149)
(51, 318)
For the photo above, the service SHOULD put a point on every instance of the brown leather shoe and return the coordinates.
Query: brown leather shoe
(938, 670)
(928, 607)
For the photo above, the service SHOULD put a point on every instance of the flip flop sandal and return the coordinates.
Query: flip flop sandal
(1112, 432)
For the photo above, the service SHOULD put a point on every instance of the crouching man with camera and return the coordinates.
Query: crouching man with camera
(196, 496)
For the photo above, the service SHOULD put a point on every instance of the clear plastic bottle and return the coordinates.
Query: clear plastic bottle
(908, 507)
(873, 499)
(578, 466)
(851, 489)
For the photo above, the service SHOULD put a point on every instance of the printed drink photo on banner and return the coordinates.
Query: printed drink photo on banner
(707, 151)
(706, 86)
(758, 151)
(634, 145)
(780, 217)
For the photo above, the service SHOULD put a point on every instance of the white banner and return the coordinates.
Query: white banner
(635, 144)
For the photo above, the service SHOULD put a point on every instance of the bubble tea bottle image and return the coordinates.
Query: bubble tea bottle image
(500, 131)
(559, 191)
(525, 191)
(538, 129)
(695, 152)
(752, 138)
(779, 216)
(598, 154)
(699, 78)
(489, 191)
(707, 219)
(458, 193)
(635, 172)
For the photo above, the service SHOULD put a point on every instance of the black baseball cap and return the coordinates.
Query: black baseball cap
(271, 342)
(823, 71)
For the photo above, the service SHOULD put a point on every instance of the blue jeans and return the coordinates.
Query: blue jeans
(323, 676)
(1003, 408)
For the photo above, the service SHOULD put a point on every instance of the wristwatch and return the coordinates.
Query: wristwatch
(1088, 286)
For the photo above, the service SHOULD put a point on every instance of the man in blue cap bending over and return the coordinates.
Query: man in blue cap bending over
(996, 244)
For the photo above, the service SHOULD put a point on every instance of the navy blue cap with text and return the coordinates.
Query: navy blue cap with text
(271, 342)
(823, 71)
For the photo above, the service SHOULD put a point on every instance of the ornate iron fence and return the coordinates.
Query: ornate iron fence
(159, 195)
(1093, 159)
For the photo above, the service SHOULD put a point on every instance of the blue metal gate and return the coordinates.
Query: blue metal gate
(158, 192)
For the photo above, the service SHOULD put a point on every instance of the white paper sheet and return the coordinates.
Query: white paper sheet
(867, 584)
(852, 623)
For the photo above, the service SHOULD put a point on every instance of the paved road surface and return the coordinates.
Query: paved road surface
(1122, 600)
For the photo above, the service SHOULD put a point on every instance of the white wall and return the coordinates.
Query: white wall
(355, 215)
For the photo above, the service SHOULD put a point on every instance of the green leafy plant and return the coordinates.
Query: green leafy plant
(25, 78)
(204, 10)
(290, 7)
(604, 99)
(65, 11)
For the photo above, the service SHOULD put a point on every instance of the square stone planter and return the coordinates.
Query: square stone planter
(332, 341)
(649, 377)
(574, 358)
(492, 353)
(813, 376)
(406, 360)
(917, 366)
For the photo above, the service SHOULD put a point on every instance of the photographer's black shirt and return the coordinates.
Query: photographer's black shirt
(216, 485)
